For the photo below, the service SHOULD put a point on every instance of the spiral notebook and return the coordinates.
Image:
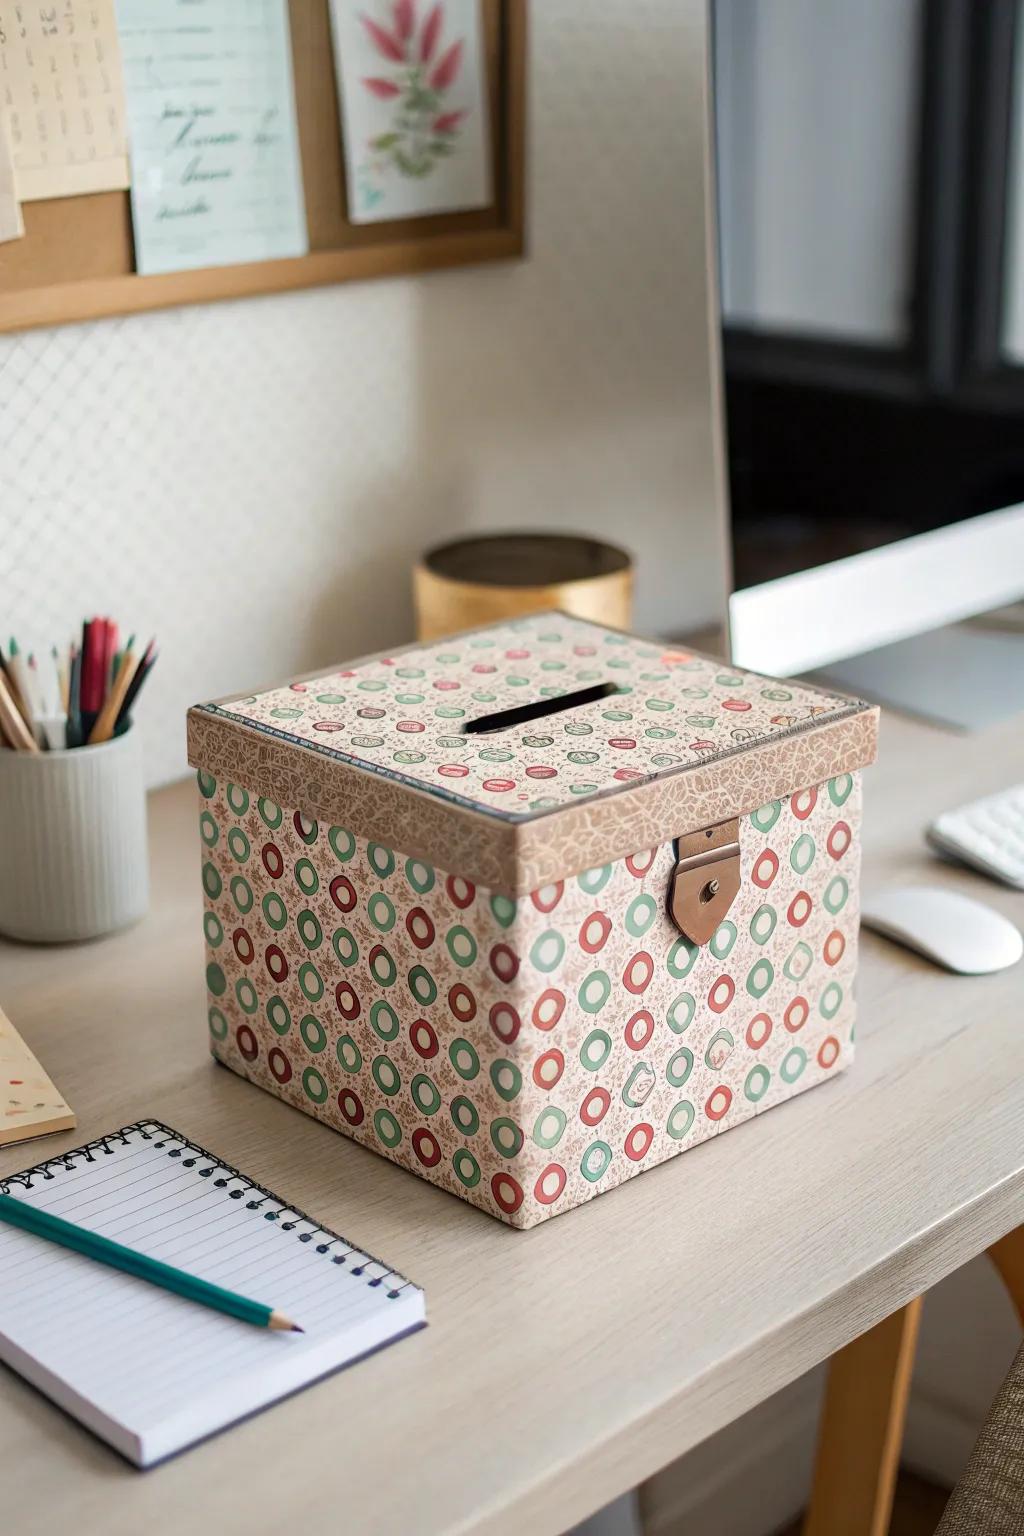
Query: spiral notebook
(150, 1372)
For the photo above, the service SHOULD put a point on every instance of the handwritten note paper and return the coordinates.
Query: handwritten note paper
(60, 81)
(216, 174)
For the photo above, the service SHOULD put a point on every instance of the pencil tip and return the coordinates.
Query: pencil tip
(297, 1329)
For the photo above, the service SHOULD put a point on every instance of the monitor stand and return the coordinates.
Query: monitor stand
(967, 676)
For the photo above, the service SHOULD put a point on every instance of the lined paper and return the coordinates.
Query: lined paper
(150, 1371)
(216, 172)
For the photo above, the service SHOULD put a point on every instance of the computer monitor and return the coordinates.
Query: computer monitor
(868, 161)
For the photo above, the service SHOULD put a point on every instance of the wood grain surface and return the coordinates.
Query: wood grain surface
(563, 1365)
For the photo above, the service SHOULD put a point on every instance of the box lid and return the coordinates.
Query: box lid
(532, 749)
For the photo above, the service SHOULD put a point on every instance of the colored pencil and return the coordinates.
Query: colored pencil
(12, 723)
(142, 671)
(29, 1218)
(107, 717)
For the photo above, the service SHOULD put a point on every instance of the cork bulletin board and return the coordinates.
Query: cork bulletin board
(76, 260)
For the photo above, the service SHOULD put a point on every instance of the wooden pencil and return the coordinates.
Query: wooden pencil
(107, 717)
(12, 723)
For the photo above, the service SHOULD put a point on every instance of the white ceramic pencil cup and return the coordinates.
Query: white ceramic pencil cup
(73, 857)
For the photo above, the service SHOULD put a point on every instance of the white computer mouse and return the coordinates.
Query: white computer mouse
(953, 930)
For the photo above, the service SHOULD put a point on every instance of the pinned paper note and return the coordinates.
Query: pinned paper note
(60, 81)
(216, 173)
(414, 107)
(29, 1103)
(12, 226)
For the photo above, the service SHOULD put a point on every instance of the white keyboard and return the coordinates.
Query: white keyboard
(987, 833)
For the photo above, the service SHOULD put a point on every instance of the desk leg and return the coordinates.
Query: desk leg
(1008, 1257)
(862, 1429)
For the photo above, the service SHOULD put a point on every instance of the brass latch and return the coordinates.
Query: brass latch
(706, 879)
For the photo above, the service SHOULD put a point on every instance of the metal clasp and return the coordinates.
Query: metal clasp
(706, 879)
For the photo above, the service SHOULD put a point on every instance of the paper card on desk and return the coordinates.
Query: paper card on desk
(216, 173)
(60, 80)
(12, 226)
(29, 1103)
(416, 130)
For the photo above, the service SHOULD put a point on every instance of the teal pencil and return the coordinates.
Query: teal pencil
(18, 1213)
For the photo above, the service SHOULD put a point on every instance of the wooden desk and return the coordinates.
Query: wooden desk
(566, 1364)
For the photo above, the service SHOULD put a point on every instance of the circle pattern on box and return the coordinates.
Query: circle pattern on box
(525, 1054)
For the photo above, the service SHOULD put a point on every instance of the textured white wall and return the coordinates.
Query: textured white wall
(252, 480)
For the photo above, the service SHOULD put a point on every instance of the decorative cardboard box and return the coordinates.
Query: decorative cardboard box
(534, 908)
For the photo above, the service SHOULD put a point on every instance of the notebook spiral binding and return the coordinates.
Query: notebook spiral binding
(223, 1175)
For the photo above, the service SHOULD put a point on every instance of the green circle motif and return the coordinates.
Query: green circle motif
(506, 1137)
(594, 880)
(760, 978)
(314, 1036)
(757, 1083)
(425, 1094)
(238, 799)
(461, 945)
(547, 951)
(680, 1118)
(207, 784)
(271, 813)
(422, 986)
(386, 1075)
(279, 1015)
(762, 924)
(218, 1024)
(381, 912)
(506, 1079)
(549, 1127)
(216, 981)
(595, 1050)
(212, 883)
(238, 845)
(213, 928)
(722, 940)
(640, 914)
(344, 946)
(241, 894)
(464, 1059)
(464, 1115)
(681, 958)
(248, 997)
(467, 1169)
(343, 844)
(306, 877)
(381, 860)
(209, 831)
(793, 1064)
(680, 1065)
(596, 1161)
(383, 967)
(594, 991)
(275, 911)
(310, 931)
(379, 1011)
(349, 1054)
(420, 876)
(681, 1012)
(314, 1085)
(802, 853)
(311, 982)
